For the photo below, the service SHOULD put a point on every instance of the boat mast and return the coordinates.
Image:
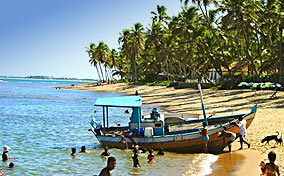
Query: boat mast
(202, 104)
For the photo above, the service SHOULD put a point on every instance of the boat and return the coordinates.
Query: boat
(156, 130)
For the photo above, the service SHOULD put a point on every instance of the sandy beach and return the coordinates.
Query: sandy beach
(268, 119)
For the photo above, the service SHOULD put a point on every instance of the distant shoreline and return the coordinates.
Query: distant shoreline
(47, 78)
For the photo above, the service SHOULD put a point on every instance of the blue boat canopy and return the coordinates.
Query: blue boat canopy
(123, 101)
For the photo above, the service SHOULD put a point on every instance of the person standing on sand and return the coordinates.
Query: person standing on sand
(243, 131)
(205, 137)
(227, 134)
(271, 169)
(111, 164)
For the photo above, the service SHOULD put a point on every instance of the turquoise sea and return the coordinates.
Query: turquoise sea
(41, 124)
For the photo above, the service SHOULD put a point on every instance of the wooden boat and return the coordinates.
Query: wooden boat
(158, 131)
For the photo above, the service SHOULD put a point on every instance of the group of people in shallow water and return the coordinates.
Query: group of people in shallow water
(150, 156)
(83, 150)
(267, 169)
(111, 163)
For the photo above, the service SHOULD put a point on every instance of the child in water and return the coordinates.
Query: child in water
(135, 158)
(151, 156)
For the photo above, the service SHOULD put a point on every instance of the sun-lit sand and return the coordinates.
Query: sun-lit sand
(269, 118)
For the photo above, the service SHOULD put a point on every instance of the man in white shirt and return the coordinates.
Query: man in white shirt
(243, 131)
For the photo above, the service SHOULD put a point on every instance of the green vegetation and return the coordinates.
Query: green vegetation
(241, 40)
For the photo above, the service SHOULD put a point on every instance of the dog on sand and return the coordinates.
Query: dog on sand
(269, 138)
(279, 140)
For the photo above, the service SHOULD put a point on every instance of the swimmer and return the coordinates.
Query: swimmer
(83, 149)
(11, 165)
(73, 152)
(151, 156)
(143, 150)
(161, 151)
(106, 152)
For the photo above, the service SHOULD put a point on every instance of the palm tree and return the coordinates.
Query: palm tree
(155, 57)
(93, 60)
(102, 54)
(137, 47)
(125, 42)
(133, 46)
(195, 41)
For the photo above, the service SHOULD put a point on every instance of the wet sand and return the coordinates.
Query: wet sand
(268, 119)
(238, 162)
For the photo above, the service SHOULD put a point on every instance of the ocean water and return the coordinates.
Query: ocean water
(41, 124)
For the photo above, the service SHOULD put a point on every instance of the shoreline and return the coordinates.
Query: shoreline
(268, 118)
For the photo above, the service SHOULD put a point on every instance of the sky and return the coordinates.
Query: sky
(49, 37)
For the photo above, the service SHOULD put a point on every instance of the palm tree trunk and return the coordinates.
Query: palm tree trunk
(98, 72)
(102, 71)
